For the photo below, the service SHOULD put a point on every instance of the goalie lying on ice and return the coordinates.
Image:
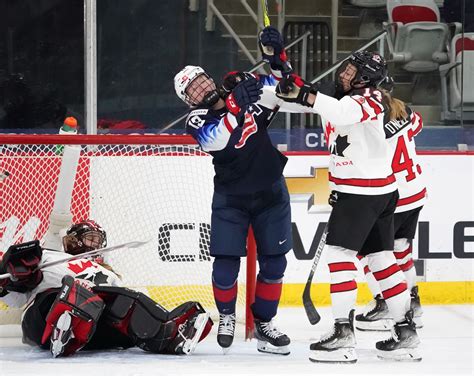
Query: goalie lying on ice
(80, 305)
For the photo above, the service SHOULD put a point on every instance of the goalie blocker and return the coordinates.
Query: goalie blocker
(82, 315)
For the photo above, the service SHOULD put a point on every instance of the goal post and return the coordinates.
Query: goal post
(136, 187)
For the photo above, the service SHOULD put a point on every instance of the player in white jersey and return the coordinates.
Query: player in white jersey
(401, 134)
(364, 197)
(80, 303)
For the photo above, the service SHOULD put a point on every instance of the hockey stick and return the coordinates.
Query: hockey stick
(287, 69)
(266, 19)
(310, 309)
(95, 252)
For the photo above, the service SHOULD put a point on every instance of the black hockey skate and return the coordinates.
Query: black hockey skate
(376, 316)
(403, 344)
(189, 333)
(61, 335)
(416, 307)
(270, 339)
(225, 332)
(338, 346)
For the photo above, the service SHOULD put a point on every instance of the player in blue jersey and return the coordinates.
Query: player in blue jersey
(249, 188)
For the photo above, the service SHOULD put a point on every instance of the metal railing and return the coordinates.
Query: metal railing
(210, 26)
(255, 67)
(380, 37)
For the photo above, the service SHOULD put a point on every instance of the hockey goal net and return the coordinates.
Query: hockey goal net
(156, 188)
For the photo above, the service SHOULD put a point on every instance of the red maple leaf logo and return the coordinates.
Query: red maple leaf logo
(327, 132)
(79, 266)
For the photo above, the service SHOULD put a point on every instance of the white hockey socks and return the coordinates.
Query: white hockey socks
(371, 281)
(392, 283)
(403, 254)
(343, 272)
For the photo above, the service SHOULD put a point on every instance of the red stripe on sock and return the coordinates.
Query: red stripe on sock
(387, 272)
(343, 286)
(402, 254)
(225, 296)
(391, 292)
(407, 266)
(366, 270)
(268, 291)
(341, 266)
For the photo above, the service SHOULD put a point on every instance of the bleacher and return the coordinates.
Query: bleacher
(136, 61)
(418, 45)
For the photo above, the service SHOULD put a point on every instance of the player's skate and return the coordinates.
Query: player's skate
(376, 316)
(403, 343)
(191, 332)
(416, 307)
(270, 339)
(338, 346)
(62, 334)
(225, 332)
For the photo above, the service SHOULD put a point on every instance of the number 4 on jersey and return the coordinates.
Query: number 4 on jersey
(402, 161)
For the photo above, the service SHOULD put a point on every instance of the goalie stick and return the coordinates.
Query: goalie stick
(310, 309)
(95, 252)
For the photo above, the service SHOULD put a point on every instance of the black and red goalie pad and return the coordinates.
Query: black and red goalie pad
(85, 306)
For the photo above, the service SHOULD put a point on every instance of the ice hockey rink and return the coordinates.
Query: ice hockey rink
(447, 349)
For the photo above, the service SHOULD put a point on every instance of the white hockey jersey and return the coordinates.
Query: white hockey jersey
(361, 157)
(408, 173)
(52, 276)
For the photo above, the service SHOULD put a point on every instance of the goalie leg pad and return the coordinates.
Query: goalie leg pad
(137, 316)
(192, 323)
(72, 319)
(150, 326)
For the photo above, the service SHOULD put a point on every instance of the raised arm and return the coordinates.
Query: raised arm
(349, 110)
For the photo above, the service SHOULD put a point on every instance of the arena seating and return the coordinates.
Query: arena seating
(455, 76)
(417, 38)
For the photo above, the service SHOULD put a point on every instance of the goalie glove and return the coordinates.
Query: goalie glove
(294, 89)
(273, 50)
(21, 261)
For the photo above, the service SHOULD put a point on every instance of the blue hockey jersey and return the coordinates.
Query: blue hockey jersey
(245, 161)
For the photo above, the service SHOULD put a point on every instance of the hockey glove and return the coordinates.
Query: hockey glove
(244, 94)
(294, 89)
(273, 50)
(73, 317)
(21, 261)
(232, 79)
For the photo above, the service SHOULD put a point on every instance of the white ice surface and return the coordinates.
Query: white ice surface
(447, 349)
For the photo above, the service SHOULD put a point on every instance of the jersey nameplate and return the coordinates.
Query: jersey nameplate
(394, 126)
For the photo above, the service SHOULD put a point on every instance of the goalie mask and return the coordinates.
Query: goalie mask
(84, 237)
(362, 69)
(195, 87)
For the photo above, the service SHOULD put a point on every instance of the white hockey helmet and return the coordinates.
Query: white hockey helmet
(183, 79)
